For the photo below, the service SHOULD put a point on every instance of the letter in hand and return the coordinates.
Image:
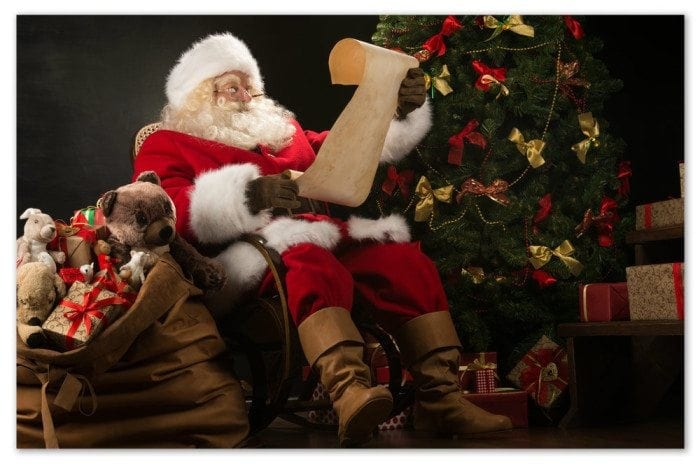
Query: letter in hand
(411, 93)
(272, 191)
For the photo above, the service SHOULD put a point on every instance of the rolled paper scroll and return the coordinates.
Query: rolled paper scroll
(345, 166)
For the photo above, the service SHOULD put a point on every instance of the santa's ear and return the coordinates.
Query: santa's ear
(149, 176)
(107, 201)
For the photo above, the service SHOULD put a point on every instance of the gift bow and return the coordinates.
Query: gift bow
(436, 43)
(441, 82)
(456, 141)
(426, 198)
(395, 178)
(543, 278)
(603, 222)
(495, 191)
(512, 23)
(530, 149)
(589, 127)
(542, 378)
(574, 27)
(489, 76)
(624, 172)
(480, 364)
(541, 255)
(83, 313)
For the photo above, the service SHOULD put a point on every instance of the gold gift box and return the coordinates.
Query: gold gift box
(659, 214)
(656, 291)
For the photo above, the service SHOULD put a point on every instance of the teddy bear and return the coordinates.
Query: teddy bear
(134, 271)
(39, 230)
(141, 216)
(38, 290)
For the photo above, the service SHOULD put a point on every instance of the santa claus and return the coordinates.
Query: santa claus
(221, 154)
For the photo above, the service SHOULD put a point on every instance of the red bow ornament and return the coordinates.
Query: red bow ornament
(456, 141)
(401, 179)
(603, 222)
(496, 191)
(545, 204)
(574, 27)
(624, 172)
(543, 278)
(436, 44)
(488, 77)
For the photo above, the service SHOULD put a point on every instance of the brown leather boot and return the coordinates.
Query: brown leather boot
(334, 347)
(430, 349)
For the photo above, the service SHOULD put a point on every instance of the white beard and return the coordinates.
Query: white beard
(246, 125)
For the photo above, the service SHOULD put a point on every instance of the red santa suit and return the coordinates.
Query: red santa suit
(328, 261)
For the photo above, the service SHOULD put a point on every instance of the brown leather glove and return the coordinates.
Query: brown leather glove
(271, 191)
(411, 93)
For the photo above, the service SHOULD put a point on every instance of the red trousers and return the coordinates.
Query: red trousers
(395, 281)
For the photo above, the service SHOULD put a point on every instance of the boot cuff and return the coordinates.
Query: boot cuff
(326, 329)
(424, 334)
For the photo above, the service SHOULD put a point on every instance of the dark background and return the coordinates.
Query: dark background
(86, 84)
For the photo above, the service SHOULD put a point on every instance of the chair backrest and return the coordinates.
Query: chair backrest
(141, 136)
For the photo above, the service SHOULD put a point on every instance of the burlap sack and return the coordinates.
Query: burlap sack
(156, 377)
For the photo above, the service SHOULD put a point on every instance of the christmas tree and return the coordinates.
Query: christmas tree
(518, 193)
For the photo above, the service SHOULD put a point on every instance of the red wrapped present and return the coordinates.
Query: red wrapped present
(503, 400)
(321, 416)
(470, 363)
(485, 381)
(656, 291)
(398, 422)
(91, 217)
(543, 372)
(81, 315)
(603, 302)
(70, 275)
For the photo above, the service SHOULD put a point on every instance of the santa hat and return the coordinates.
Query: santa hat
(210, 57)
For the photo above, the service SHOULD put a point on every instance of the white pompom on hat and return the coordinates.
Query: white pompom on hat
(210, 57)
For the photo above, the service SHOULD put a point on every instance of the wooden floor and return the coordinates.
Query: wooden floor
(662, 434)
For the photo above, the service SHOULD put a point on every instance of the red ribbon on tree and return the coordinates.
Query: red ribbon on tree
(543, 278)
(624, 172)
(483, 82)
(456, 141)
(496, 191)
(545, 204)
(84, 312)
(603, 222)
(394, 178)
(436, 43)
(574, 27)
(546, 370)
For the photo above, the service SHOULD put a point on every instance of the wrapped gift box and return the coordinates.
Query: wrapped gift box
(503, 400)
(659, 214)
(656, 291)
(470, 363)
(543, 372)
(81, 315)
(603, 302)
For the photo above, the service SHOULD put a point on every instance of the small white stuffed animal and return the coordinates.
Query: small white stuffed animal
(135, 270)
(39, 230)
(88, 272)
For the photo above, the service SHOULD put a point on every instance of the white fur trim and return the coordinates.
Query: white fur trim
(208, 58)
(245, 268)
(392, 228)
(283, 233)
(218, 212)
(404, 135)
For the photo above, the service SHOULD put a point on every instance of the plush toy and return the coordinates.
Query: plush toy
(141, 216)
(38, 290)
(39, 230)
(134, 271)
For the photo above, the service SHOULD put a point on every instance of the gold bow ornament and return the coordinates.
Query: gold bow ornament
(476, 274)
(589, 127)
(541, 255)
(488, 80)
(530, 149)
(513, 23)
(441, 82)
(427, 196)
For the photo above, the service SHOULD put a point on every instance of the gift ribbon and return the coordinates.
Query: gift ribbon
(542, 213)
(456, 141)
(513, 23)
(427, 196)
(441, 82)
(395, 179)
(83, 313)
(436, 43)
(574, 27)
(624, 172)
(489, 76)
(678, 288)
(648, 216)
(541, 255)
(542, 374)
(589, 127)
(532, 150)
(495, 191)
